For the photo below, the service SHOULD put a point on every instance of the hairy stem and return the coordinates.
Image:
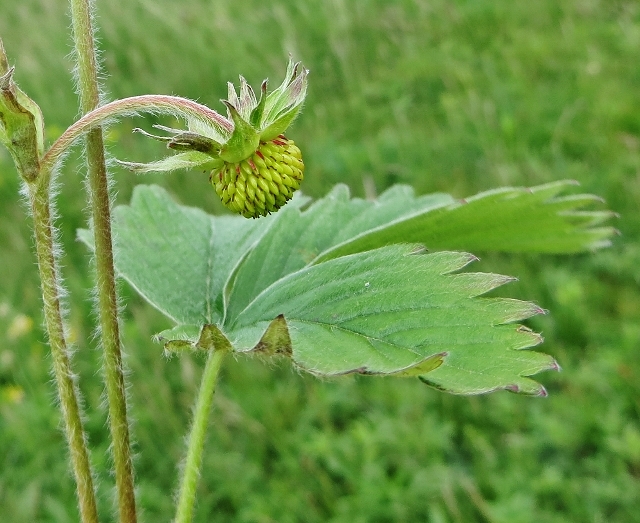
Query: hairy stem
(67, 391)
(152, 103)
(100, 205)
(195, 445)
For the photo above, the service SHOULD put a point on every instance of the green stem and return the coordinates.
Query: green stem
(105, 274)
(67, 391)
(195, 445)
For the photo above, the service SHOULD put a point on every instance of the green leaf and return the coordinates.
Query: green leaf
(391, 309)
(306, 234)
(516, 220)
(327, 287)
(178, 257)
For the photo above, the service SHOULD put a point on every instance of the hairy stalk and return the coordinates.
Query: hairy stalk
(152, 103)
(67, 391)
(195, 445)
(100, 204)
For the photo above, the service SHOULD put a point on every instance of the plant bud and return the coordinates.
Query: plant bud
(21, 123)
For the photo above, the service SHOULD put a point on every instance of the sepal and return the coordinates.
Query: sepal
(243, 141)
(184, 160)
(283, 105)
(258, 110)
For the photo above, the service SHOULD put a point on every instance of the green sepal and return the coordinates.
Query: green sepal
(280, 125)
(185, 160)
(210, 128)
(250, 121)
(184, 140)
(189, 141)
(258, 111)
(243, 141)
(289, 95)
(245, 102)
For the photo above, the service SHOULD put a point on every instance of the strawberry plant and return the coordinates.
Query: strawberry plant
(338, 286)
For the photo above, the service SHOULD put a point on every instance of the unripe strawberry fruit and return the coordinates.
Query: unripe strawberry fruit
(254, 168)
(262, 183)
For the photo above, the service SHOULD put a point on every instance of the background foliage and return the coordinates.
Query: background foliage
(457, 96)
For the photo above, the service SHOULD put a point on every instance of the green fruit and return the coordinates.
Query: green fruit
(263, 182)
(256, 169)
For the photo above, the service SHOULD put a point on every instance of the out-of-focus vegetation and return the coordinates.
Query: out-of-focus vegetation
(455, 96)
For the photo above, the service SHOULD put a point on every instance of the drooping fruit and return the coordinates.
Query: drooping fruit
(262, 183)
(254, 168)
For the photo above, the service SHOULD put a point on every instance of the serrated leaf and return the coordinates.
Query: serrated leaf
(306, 234)
(519, 220)
(516, 220)
(320, 285)
(388, 310)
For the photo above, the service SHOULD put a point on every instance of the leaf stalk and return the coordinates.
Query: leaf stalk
(151, 103)
(195, 445)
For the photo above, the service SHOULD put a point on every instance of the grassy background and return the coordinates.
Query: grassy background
(458, 96)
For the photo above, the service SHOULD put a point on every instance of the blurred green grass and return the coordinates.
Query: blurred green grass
(456, 96)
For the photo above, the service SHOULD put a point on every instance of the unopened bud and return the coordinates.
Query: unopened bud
(21, 123)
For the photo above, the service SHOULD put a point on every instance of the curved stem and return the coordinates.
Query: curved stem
(100, 205)
(67, 390)
(195, 446)
(154, 103)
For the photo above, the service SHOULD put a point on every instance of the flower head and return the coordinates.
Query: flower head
(254, 168)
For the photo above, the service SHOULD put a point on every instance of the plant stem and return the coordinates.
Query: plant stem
(195, 446)
(153, 103)
(67, 391)
(105, 274)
